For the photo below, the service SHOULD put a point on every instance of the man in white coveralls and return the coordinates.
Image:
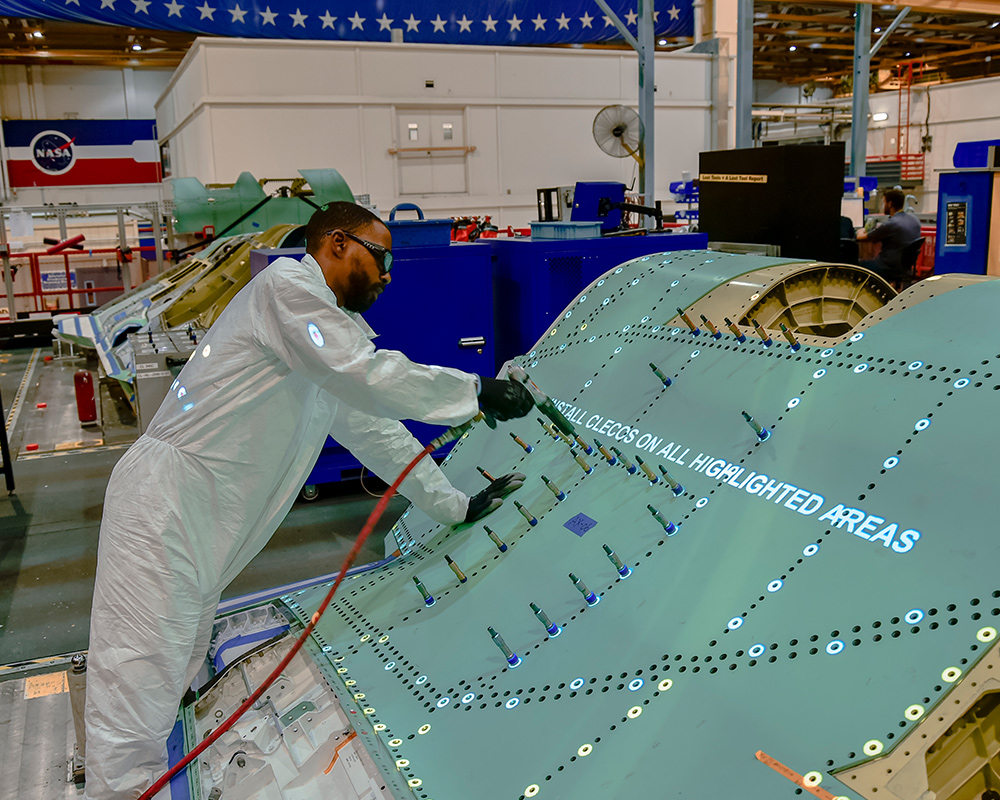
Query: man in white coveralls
(201, 492)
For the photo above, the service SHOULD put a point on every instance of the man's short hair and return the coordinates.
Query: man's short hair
(348, 217)
(895, 198)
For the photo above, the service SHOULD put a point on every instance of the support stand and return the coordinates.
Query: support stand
(7, 468)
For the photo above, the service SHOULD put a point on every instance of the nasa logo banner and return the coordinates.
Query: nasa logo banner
(81, 152)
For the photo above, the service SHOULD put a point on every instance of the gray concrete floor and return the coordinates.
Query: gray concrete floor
(49, 526)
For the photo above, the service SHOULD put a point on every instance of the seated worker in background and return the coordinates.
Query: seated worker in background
(201, 492)
(901, 229)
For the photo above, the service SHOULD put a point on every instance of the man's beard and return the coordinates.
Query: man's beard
(359, 294)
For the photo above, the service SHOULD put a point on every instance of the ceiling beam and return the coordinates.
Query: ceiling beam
(982, 7)
(976, 26)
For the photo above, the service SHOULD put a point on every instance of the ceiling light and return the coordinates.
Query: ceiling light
(37, 34)
(137, 46)
(815, 45)
(880, 116)
(662, 42)
(994, 24)
(878, 30)
(792, 49)
(907, 55)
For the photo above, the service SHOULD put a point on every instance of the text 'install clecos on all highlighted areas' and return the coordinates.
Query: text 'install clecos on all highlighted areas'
(871, 527)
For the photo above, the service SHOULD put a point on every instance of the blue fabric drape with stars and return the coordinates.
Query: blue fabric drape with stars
(489, 22)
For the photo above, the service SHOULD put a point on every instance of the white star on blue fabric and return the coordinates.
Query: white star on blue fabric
(490, 23)
(327, 19)
(108, 4)
(438, 24)
(268, 16)
(206, 11)
(298, 18)
(237, 13)
(563, 21)
(674, 12)
(77, 2)
(385, 23)
(140, 5)
(631, 16)
(412, 24)
(586, 19)
(357, 21)
(515, 23)
(607, 21)
(464, 25)
(173, 8)
(539, 23)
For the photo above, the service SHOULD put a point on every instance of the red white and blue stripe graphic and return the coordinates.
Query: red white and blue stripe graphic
(81, 152)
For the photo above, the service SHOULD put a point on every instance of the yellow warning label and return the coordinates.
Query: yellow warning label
(44, 685)
(716, 177)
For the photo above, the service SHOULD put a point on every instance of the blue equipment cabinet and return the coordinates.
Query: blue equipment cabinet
(968, 218)
(438, 309)
(536, 279)
(964, 225)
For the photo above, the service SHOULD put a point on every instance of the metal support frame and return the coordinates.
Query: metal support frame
(862, 71)
(60, 215)
(744, 75)
(644, 46)
(7, 467)
(885, 34)
(157, 218)
(8, 278)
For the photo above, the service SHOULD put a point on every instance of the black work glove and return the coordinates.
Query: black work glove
(491, 498)
(503, 400)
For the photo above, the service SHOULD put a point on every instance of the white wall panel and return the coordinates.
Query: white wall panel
(88, 94)
(149, 85)
(276, 143)
(554, 149)
(485, 163)
(528, 113)
(379, 168)
(188, 147)
(247, 70)
(188, 87)
(571, 76)
(60, 92)
(683, 78)
(394, 71)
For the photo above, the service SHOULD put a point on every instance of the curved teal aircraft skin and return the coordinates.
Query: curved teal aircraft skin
(818, 583)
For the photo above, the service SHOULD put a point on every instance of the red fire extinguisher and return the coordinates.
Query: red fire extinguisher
(86, 403)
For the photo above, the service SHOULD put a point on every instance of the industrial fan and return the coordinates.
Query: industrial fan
(618, 132)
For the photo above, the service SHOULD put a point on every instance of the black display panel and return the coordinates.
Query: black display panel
(788, 195)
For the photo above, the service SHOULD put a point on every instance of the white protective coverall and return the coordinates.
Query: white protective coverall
(201, 492)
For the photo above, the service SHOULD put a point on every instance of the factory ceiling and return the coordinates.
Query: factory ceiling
(811, 44)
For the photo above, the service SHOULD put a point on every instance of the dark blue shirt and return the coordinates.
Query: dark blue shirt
(895, 233)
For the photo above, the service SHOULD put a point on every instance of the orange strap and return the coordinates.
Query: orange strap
(336, 753)
(792, 775)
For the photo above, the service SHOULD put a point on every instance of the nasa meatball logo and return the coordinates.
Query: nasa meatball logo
(53, 152)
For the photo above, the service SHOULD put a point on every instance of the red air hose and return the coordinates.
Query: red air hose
(373, 518)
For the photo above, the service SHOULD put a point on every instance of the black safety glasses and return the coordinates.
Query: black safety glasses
(383, 255)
